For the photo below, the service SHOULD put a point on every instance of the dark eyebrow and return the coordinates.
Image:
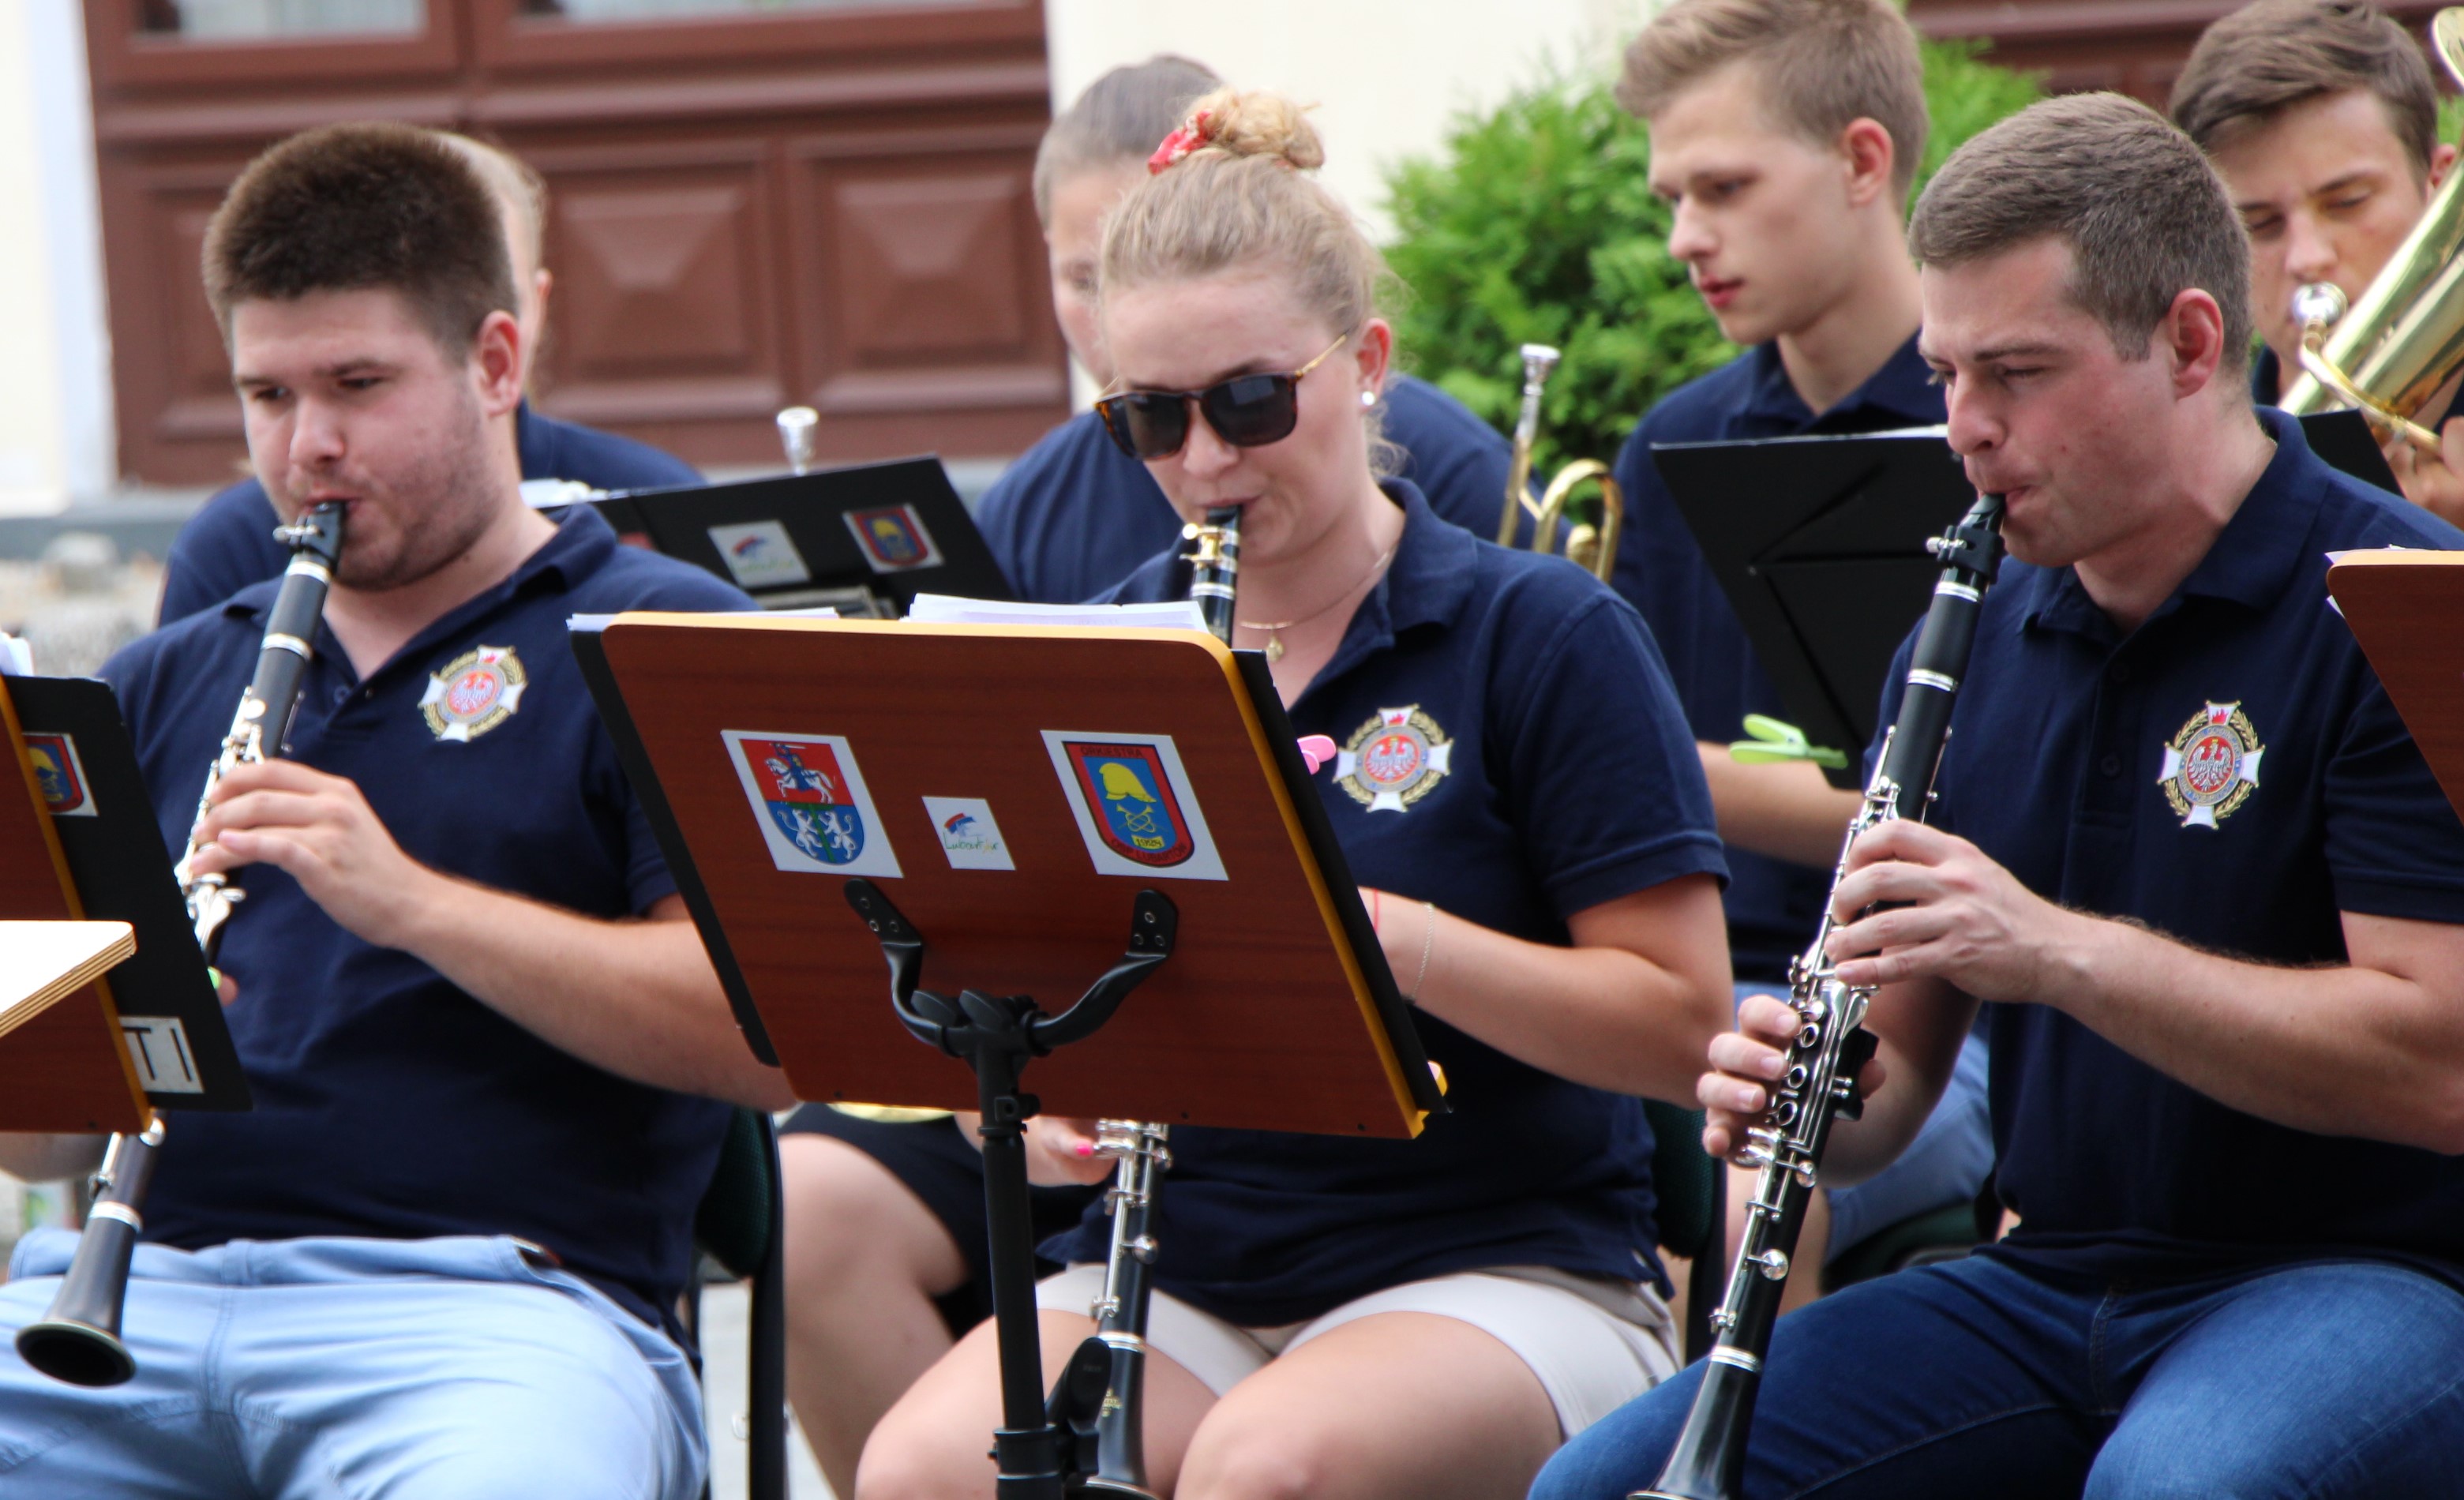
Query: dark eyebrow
(1261, 367)
(342, 369)
(2006, 351)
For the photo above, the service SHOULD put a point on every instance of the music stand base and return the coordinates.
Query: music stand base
(1036, 1450)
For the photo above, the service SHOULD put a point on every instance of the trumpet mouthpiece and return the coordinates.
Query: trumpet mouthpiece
(795, 427)
(2320, 304)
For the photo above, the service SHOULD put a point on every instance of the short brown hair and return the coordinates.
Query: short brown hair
(2261, 60)
(1822, 64)
(2141, 210)
(363, 208)
(1121, 118)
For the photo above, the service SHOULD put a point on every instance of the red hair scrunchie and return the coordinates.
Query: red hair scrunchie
(1178, 146)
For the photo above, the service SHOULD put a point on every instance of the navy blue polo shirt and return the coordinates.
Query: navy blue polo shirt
(1512, 753)
(229, 543)
(389, 1102)
(1075, 515)
(1772, 904)
(2232, 774)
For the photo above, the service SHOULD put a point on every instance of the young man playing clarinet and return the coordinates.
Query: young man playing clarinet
(229, 543)
(1784, 136)
(2322, 118)
(2228, 1016)
(439, 1258)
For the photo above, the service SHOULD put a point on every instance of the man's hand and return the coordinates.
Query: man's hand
(1059, 1150)
(319, 830)
(2432, 481)
(1743, 1062)
(1954, 916)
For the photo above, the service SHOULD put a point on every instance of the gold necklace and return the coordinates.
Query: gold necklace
(1275, 646)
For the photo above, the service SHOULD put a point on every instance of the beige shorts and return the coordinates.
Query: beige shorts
(1593, 1344)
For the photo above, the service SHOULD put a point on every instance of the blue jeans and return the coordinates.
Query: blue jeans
(2000, 1376)
(404, 1369)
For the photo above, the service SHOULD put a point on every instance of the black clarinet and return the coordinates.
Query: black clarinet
(1819, 1085)
(79, 1339)
(1112, 1446)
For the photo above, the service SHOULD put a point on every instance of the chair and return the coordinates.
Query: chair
(1693, 1191)
(738, 1226)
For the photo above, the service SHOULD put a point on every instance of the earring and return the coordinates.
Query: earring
(1368, 398)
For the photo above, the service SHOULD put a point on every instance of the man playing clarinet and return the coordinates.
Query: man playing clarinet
(2188, 853)
(440, 1257)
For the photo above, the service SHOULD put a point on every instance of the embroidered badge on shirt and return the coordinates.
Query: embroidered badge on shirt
(2212, 765)
(478, 691)
(1394, 759)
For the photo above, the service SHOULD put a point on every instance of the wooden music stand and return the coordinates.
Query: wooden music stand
(2405, 608)
(1006, 812)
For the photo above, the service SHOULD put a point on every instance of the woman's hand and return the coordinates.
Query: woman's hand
(1061, 1151)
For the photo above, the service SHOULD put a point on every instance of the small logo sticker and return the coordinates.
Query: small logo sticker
(159, 1047)
(1134, 805)
(2211, 766)
(893, 538)
(809, 798)
(1394, 759)
(968, 833)
(760, 555)
(475, 693)
(60, 774)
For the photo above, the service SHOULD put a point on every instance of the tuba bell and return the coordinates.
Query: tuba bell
(1589, 545)
(2403, 336)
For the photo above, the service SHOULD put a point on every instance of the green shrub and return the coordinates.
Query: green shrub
(1537, 227)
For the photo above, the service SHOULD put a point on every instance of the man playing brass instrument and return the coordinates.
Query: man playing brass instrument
(2321, 118)
(440, 1257)
(2228, 1018)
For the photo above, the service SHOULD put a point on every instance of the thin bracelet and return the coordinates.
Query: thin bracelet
(1428, 939)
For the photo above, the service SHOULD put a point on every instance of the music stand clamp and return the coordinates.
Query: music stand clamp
(1037, 1449)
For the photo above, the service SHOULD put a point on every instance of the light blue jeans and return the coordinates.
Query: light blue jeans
(450, 1368)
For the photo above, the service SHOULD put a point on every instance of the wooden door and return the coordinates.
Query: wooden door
(2135, 47)
(753, 203)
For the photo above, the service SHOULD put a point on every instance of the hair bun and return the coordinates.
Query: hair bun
(1256, 123)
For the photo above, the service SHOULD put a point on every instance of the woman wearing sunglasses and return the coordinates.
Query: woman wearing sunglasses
(1522, 799)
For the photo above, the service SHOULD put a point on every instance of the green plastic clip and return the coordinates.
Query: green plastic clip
(1771, 741)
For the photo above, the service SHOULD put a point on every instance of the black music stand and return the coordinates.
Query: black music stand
(112, 865)
(2345, 441)
(864, 540)
(168, 1011)
(771, 751)
(1820, 544)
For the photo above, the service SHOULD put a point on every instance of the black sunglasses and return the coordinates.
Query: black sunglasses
(1245, 412)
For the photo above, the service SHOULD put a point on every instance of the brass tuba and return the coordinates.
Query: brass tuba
(2403, 336)
(1587, 545)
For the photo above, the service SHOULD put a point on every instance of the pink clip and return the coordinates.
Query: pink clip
(1180, 143)
(1316, 751)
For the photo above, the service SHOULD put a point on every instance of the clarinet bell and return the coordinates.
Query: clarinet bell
(78, 1340)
